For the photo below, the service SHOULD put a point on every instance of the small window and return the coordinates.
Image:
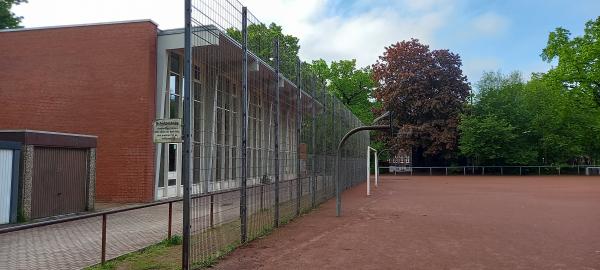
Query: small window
(172, 158)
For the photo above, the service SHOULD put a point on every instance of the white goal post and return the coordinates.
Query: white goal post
(592, 171)
(369, 149)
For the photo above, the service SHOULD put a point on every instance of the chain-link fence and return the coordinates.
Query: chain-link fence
(265, 131)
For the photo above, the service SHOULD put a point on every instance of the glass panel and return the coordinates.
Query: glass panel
(174, 66)
(174, 106)
(172, 158)
(196, 73)
(172, 182)
(174, 84)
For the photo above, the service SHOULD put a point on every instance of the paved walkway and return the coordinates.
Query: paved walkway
(77, 244)
(74, 245)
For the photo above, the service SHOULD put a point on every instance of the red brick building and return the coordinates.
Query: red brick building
(94, 79)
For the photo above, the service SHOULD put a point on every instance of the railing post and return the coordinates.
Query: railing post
(170, 220)
(276, 54)
(482, 170)
(212, 211)
(430, 172)
(558, 170)
(520, 173)
(501, 170)
(103, 256)
(539, 170)
(446, 171)
(464, 170)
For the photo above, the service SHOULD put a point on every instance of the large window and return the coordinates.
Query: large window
(227, 129)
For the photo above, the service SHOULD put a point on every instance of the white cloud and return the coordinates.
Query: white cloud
(361, 34)
(490, 24)
(38, 13)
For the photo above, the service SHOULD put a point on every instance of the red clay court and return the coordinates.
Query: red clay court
(446, 222)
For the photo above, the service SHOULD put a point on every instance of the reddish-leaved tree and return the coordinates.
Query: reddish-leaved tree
(427, 91)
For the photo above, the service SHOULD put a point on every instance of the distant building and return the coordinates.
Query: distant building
(401, 162)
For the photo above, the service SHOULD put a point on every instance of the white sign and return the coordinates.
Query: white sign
(167, 131)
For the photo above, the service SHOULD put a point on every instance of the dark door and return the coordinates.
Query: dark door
(59, 181)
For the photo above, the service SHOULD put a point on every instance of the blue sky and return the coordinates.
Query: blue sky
(488, 34)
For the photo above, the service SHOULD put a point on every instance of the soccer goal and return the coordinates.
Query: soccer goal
(369, 150)
(592, 171)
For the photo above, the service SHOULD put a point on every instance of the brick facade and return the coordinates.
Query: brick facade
(98, 80)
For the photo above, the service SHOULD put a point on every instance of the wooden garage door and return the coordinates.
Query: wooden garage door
(59, 181)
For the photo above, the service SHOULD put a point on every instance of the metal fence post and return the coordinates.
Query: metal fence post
(298, 132)
(520, 172)
(313, 188)
(539, 170)
(276, 54)
(187, 165)
(244, 133)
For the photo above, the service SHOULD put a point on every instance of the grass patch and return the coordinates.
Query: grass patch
(164, 255)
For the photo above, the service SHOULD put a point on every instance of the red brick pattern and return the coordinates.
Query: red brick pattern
(97, 80)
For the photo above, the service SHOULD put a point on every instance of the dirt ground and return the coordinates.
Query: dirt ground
(446, 222)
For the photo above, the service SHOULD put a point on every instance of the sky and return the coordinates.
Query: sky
(489, 35)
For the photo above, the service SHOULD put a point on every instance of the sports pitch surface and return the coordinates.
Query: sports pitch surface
(445, 222)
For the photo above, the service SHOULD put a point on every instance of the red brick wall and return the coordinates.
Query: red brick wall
(97, 80)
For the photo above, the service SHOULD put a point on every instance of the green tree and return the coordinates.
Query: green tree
(485, 139)
(578, 66)
(8, 19)
(351, 85)
(261, 40)
(496, 130)
(538, 122)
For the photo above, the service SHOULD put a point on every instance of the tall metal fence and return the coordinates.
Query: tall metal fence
(264, 132)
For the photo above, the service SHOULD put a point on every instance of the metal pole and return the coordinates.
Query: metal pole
(314, 147)
(298, 132)
(338, 197)
(368, 171)
(276, 54)
(376, 169)
(187, 136)
(244, 133)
